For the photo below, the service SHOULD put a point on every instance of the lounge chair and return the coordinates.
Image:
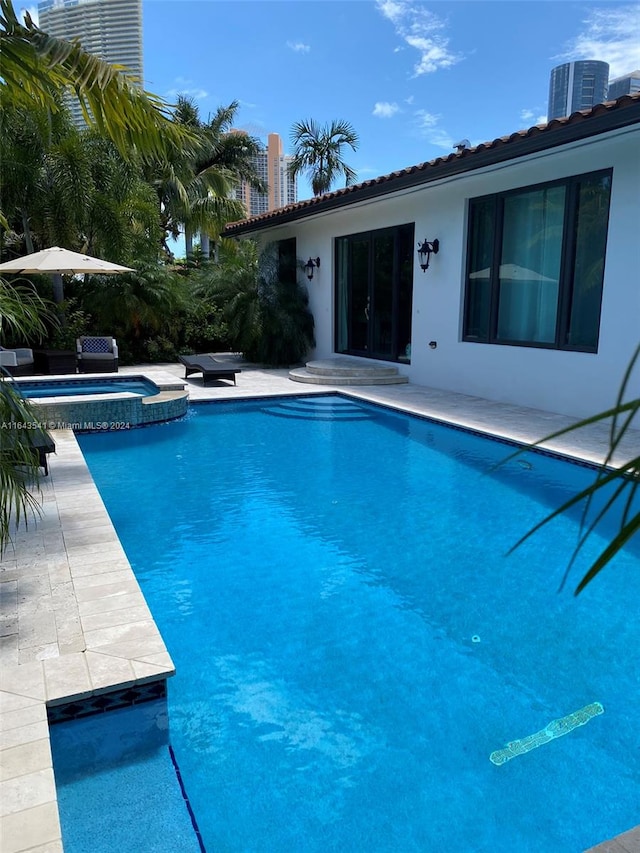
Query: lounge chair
(38, 441)
(19, 362)
(42, 444)
(210, 368)
(97, 354)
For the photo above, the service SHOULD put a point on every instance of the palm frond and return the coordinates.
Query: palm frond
(617, 485)
(19, 472)
(37, 66)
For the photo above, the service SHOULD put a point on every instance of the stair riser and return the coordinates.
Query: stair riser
(353, 371)
(317, 379)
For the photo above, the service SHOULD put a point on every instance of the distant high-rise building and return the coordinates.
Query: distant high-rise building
(626, 85)
(273, 167)
(110, 29)
(577, 86)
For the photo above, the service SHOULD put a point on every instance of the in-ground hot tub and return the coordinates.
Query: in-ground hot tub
(102, 403)
(67, 387)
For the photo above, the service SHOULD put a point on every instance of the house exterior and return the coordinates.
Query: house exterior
(534, 295)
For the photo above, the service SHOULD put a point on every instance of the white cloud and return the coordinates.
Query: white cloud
(383, 109)
(528, 118)
(298, 47)
(422, 31)
(196, 94)
(611, 35)
(185, 87)
(427, 124)
(425, 119)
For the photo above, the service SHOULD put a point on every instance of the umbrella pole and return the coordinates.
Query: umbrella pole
(58, 290)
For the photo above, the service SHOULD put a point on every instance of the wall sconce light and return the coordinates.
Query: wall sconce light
(309, 267)
(425, 250)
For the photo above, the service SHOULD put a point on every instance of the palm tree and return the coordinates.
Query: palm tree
(36, 67)
(219, 154)
(318, 151)
(72, 188)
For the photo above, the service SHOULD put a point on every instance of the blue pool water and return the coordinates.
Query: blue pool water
(352, 640)
(38, 388)
(117, 784)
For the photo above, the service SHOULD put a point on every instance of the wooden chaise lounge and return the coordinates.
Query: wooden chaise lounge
(210, 368)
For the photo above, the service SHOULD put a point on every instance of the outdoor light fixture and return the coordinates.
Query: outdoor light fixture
(309, 267)
(425, 250)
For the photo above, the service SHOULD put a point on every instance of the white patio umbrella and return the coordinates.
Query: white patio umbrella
(61, 262)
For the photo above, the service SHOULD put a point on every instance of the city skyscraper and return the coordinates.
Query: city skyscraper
(273, 167)
(110, 29)
(577, 86)
(626, 85)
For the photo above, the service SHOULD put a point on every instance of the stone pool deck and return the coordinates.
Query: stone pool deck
(74, 623)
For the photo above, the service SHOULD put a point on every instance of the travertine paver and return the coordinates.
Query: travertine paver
(73, 621)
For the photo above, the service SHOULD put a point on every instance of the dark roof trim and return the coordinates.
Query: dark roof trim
(581, 125)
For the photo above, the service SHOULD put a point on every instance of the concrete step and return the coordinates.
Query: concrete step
(347, 371)
(350, 367)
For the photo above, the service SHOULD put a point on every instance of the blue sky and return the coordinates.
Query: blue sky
(411, 77)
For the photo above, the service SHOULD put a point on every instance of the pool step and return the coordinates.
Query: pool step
(318, 410)
(347, 371)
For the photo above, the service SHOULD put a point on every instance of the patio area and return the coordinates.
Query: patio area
(74, 623)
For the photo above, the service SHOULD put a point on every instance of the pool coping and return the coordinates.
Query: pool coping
(87, 627)
(93, 631)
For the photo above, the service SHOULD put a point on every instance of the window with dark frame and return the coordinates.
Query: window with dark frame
(535, 264)
(287, 261)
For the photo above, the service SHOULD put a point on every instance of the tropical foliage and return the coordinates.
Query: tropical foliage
(62, 187)
(36, 67)
(267, 313)
(318, 152)
(220, 160)
(21, 313)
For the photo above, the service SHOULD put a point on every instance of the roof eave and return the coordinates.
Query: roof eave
(603, 118)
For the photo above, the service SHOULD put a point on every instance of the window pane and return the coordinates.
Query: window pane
(342, 294)
(530, 265)
(591, 237)
(383, 257)
(405, 292)
(287, 263)
(360, 302)
(479, 282)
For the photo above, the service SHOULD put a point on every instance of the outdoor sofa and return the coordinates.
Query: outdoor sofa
(19, 362)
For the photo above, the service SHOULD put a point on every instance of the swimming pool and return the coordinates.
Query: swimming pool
(352, 642)
(42, 388)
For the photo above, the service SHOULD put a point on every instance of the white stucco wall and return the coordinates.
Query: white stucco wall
(568, 382)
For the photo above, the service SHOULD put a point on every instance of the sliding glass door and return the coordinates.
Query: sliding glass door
(374, 285)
